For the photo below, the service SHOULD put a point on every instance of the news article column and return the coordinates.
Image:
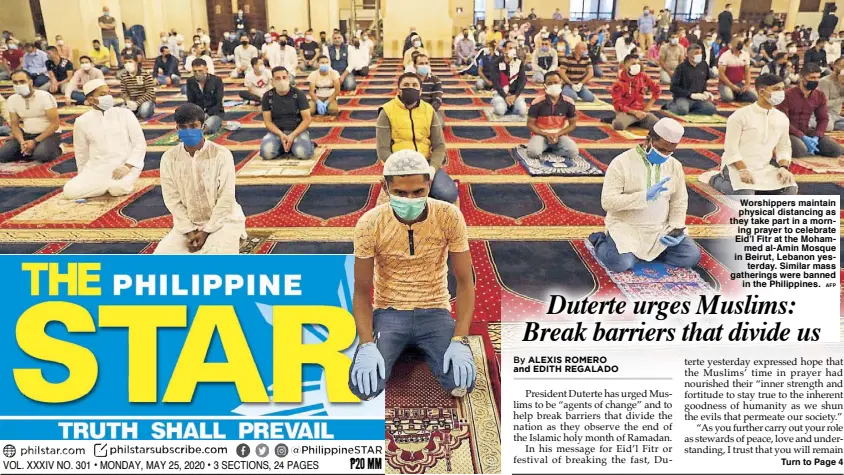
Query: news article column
(734, 366)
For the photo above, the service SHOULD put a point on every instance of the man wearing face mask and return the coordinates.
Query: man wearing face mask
(309, 50)
(432, 86)
(670, 56)
(86, 72)
(647, 23)
(129, 49)
(801, 103)
(550, 121)
(199, 52)
(12, 56)
(402, 250)
(108, 27)
(628, 97)
(243, 55)
(576, 71)
(338, 54)
(832, 86)
(258, 81)
(486, 61)
(646, 201)
(108, 145)
(206, 90)
(226, 47)
(286, 116)
(464, 49)
(623, 46)
(833, 49)
(545, 59)
(240, 27)
(754, 134)
(779, 67)
(734, 75)
(817, 54)
(688, 85)
(166, 69)
(289, 57)
(324, 88)
(198, 185)
(34, 120)
(35, 63)
(138, 89)
(359, 58)
(65, 51)
(407, 122)
(508, 81)
(416, 46)
(271, 51)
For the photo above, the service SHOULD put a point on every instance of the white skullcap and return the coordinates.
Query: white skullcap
(407, 162)
(89, 86)
(669, 129)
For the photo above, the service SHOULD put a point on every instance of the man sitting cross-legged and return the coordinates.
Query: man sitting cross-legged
(324, 88)
(109, 147)
(258, 81)
(628, 96)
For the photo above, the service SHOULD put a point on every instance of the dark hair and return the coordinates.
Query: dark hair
(188, 114)
(417, 56)
(779, 56)
(810, 68)
(52, 48)
(254, 60)
(279, 68)
(837, 61)
(21, 71)
(85, 57)
(408, 75)
(128, 38)
(161, 50)
(630, 56)
(820, 40)
(125, 57)
(551, 73)
(95, 41)
(695, 46)
(766, 80)
(198, 62)
(321, 56)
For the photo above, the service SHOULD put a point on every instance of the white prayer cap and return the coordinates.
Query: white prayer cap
(89, 86)
(407, 162)
(669, 129)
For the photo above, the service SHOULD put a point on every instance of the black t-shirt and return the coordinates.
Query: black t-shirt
(59, 70)
(286, 110)
(309, 50)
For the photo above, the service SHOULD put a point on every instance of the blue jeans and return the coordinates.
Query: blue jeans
(564, 147)
(685, 254)
(596, 70)
(162, 79)
(584, 95)
(500, 107)
(684, 106)
(115, 44)
(727, 94)
(350, 83)
(722, 183)
(145, 110)
(39, 80)
(78, 97)
(102, 68)
(443, 187)
(430, 330)
(213, 124)
(302, 147)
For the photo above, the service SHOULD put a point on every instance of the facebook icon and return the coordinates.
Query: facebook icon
(243, 450)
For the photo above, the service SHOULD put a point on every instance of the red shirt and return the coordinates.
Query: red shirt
(628, 92)
(14, 57)
(685, 42)
(799, 108)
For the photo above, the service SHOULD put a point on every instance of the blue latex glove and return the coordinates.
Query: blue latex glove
(654, 191)
(671, 241)
(368, 365)
(811, 144)
(460, 356)
(322, 107)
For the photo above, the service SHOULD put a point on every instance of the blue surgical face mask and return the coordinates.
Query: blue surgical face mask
(423, 70)
(323, 68)
(655, 157)
(408, 209)
(190, 137)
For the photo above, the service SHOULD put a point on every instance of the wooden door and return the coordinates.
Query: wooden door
(220, 19)
(255, 12)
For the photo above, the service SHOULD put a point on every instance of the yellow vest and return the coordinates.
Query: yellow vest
(410, 129)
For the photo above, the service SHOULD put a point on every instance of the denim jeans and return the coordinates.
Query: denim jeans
(39, 80)
(350, 83)
(145, 110)
(500, 107)
(47, 150)
(722, 183)
(584, 95)
(564, 147)
(827, 147)
(727, 94)
(443, 187)
(685, 254)
(213, 124)
(302, 147)
(684, 106)
(114, 44)
(174, 78)
(430, 330)
(77, 97)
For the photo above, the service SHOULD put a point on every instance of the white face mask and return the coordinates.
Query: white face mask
(309, 38)
(634, 69)
(777, 97)
(792, 50)
(511, 53)
(130, 67)
(104, 103)
(554, 90)
(22, 89)
(417, 44)
(697, 58)
(87, 66)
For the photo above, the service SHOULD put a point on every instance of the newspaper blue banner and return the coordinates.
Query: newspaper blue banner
(240, 346)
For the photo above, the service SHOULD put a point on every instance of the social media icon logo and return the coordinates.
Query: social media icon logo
(100, 450)
(281, 450)
(262, 450)
(9, 451)
(243, 451)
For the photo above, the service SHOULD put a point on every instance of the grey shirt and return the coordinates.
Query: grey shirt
(384, 139)
(834, 92)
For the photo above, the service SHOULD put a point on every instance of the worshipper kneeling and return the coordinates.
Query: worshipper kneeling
(754, 134)
(551, 120)
(324, 89)
(688, 85)
(544, 60)
(628, 96)
(286, 116)
(206, 90)
(407, 122)
(338, 54)
(734, 74)
(508, 81)
(432, 86)
(198, 184)
(34, 120)
(109, 147)
(402, 250)
(801, 103)
(646, 200)
(137, 89)
(832, 86)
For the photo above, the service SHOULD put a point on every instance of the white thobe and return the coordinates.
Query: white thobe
(753, 135)
(289, 59)
(102, 142)
(272, 53)
(634, 223)
(199, 191)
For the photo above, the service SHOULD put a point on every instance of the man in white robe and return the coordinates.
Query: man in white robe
(109, 146)
(646, 201)
(755, 133)
(198, 183)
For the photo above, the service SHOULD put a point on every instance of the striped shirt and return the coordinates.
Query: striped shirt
(432, 91)
(575, 69)
(139, 88)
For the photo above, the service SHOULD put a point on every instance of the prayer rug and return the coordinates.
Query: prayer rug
(820, 164)
(171, 138)
(657, 281)
(714, 119)
(551, 164)
(492, 117)
(12, 168)
(428, 431)
(58, 210)
(633, 133)
(283, 166)
(597, 104)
